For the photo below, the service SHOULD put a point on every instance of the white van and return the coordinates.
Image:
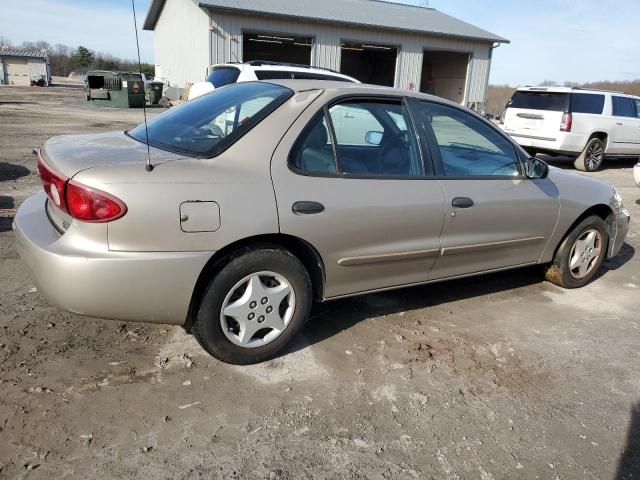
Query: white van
(587, 124)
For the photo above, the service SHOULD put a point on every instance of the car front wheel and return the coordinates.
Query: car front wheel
(254, 306)
(580, 255)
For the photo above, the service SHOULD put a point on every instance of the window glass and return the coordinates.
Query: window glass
(551, 101)
(468, 146)
(638, 108)
(587, 103)
(314, 152)
(221, 76)
(624, 107)
(273, 74)
(207, 125)
(370, 142)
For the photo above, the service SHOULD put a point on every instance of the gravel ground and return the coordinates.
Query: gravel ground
(495, 377)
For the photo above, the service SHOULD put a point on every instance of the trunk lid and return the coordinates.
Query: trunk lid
(70, 154)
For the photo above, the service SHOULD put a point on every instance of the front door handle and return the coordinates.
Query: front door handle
(462, 202)
(307, 208)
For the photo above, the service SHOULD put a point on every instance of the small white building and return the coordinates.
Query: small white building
(19, 67)
(378, 42)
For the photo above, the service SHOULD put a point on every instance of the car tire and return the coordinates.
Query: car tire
(592, 157)
(266, 267)
(567, 268)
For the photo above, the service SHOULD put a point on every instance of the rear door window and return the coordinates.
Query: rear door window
(221, 76)
(624, 107)
(587, 103)
(549, 101)
(273, 75)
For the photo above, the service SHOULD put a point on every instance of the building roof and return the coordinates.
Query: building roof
(13, 52)
(363, 13)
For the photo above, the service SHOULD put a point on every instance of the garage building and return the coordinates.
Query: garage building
(378, 42)
(19, 67)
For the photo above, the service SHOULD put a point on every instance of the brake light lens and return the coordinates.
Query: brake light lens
(81, 202)
(565, 124)
(92, 205)
(53, 184)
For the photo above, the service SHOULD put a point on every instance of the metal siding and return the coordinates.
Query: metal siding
(36, 68)
(181, 43)
(226, 41)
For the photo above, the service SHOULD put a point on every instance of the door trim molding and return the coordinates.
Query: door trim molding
(479, 247)
(388, 257)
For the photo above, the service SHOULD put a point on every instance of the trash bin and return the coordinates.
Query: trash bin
(155, 92)
(115, 89)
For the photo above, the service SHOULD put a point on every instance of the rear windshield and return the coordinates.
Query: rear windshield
(286, 74)
(552, 101)
(208, 125)
(221, 76)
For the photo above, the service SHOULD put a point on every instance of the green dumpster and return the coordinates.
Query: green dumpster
(155, 92)
(115, 89)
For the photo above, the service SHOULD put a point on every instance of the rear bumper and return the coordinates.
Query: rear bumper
(621, 226)
(565, 143)
(84, 277)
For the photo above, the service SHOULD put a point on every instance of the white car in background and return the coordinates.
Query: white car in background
(636, 173)
(227, 73)
(587, 124)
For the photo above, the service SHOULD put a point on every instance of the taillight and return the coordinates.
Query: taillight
(53, 184)
(565, 124)
(92, 205)
(81, 202)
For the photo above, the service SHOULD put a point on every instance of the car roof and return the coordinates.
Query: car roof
(347, 88)
(274, 66)
(572, 90)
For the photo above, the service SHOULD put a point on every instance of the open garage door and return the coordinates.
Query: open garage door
(16, 71)
(369, 63)
(276, 48)
(445, 74)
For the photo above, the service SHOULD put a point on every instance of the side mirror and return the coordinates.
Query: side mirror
(373, 138)
(536, 168)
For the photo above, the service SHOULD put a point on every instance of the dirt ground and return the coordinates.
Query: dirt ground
(496, 377)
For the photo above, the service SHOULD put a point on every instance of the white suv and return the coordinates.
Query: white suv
(588, 124)
(226, 73)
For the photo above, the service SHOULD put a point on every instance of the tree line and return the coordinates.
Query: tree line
(65, 60)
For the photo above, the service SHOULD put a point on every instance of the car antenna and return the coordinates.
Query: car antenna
(148, 166)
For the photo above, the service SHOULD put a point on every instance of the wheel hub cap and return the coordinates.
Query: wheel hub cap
(257, 309)
(585, 253)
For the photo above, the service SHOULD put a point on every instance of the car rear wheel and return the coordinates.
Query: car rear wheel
(592, 156)
(580, 255)
(254, 306)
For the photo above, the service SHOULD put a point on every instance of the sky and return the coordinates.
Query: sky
(561, 40)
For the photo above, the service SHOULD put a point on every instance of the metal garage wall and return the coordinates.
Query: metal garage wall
(226, 45)
(36, 67)
(181, 43)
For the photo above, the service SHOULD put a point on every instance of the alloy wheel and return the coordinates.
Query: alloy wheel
(585, 253)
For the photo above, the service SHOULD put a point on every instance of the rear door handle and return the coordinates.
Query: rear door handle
(462, 202)
(619, 123)
(307, 208)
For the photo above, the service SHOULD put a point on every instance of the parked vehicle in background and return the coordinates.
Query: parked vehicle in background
(316, 191)
(225, 74)
(588, 124)
(636, 173)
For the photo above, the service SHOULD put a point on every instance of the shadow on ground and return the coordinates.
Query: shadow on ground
(629, 466)
(331, 318)
(8, 171)
(566, 163)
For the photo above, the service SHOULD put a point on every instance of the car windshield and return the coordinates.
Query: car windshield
(551, 101)
(221, 76)
(207, 125)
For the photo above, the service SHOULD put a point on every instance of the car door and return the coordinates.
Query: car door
(625, 133)
(349, 180)
(496, 216)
